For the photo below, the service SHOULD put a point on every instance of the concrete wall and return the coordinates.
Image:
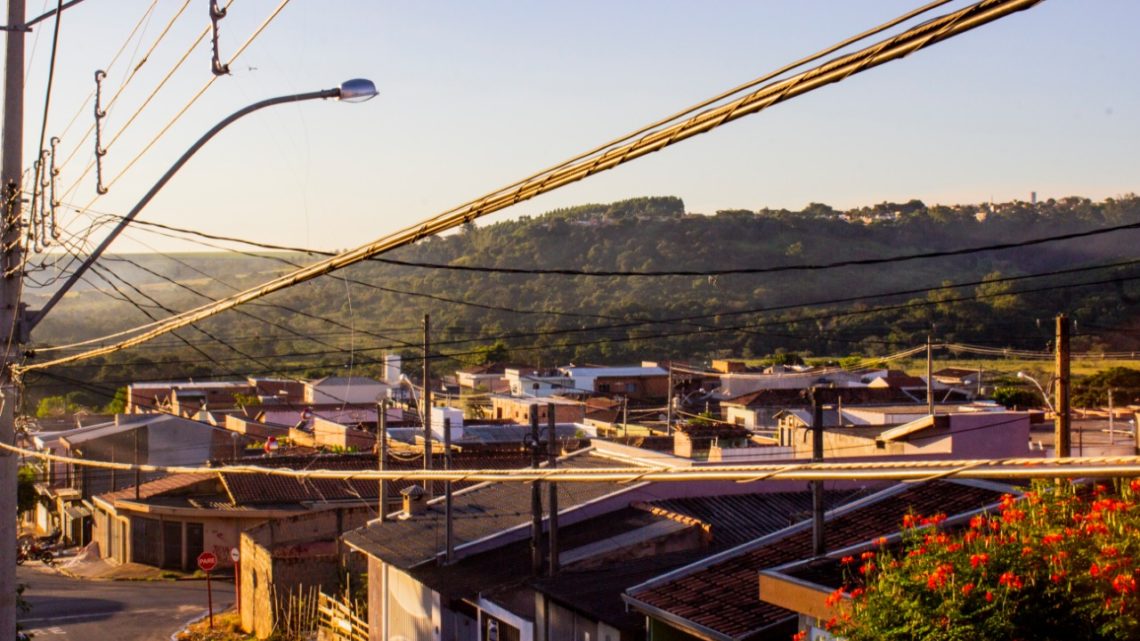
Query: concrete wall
(518, 410)
(357, 392)
(329, 434)
(291, 557)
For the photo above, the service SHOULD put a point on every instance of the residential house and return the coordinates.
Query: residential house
(491, 378)
(186, 398)
(333, 390)
(517, 409)
(153, 439)
(864, 432)
(757, 410)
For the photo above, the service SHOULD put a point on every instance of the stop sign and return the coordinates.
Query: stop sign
(207, 561)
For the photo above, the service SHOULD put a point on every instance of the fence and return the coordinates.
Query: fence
(338, 622)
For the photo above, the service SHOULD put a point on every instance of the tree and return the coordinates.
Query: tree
(118, 404)
(26, 478)
(1011, 397)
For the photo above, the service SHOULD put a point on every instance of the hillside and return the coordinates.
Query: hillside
(356, 315)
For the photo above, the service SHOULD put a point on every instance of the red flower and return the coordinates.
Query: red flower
(977, 522)
(800, 636)
(1124, 583)
(1094, 570)
(867, 555)
(1052, 539)
(989, 596)
(967, 589)
(1134, 485)
(1010, 580)
(979, 559)
(847, 560)
(909, 520)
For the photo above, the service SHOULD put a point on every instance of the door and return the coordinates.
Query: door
(193, 544)
(172, 545)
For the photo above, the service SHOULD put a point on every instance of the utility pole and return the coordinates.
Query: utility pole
(535, 498)
(11, 168)
(817, 541)
(929, 377)
(552, 488)
(1111, 420)
(448, 532)
(669, 403)
(430, 485)
(138, 472)
(1062, 432)
(625, 416)
(382, 453)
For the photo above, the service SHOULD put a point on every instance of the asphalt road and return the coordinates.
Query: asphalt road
(67, 609)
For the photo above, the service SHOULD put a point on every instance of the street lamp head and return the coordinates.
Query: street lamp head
(357, 90)
(1021, 374)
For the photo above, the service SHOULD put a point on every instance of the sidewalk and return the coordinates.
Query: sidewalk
(88, 564)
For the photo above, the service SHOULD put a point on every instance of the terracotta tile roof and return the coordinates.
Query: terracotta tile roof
(157, 487)
(719, 594)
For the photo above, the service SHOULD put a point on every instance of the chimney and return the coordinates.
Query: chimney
(415, 501)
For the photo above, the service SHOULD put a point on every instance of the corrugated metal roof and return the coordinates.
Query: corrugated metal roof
(480, 511)
(737, 518)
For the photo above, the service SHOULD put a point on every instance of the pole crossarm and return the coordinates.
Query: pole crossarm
(992, 469)
(836, 70)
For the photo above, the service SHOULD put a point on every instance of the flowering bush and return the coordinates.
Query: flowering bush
(1060, 563)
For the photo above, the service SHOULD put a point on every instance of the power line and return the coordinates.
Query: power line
(930, 32)
(1001, 468)
(763, 270)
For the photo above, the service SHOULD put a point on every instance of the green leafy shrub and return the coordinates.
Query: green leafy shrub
(1059, 564)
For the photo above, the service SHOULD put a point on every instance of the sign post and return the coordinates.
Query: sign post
(207, 561)
(235, 556)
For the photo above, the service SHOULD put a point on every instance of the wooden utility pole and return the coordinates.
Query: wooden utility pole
(382, 453)
(11, 259)
(1062, 433)
(535, 498)
(552, 488)
(929, 377)
(428, 485)
(138, 472)
(449, 531)
(817, 509)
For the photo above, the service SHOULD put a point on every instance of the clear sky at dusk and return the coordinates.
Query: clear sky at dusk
(477, 94)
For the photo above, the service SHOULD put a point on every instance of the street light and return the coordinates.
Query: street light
(1045, 396)
(355, 90)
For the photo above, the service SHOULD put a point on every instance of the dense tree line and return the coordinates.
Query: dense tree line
(555, 319)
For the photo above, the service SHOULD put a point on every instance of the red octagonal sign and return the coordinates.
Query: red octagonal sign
(207, 561)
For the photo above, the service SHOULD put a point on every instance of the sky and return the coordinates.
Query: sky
(475, 95)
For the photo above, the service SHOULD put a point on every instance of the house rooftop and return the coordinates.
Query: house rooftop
(345, 380)
(716, 596)
(189, 385)
(482, 511)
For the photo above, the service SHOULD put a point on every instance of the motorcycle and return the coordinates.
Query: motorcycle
(35, 551)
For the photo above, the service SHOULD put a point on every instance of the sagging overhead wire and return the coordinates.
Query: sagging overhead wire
(894, 47)
(1005, 468)
(539, 271)
(637, 322)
